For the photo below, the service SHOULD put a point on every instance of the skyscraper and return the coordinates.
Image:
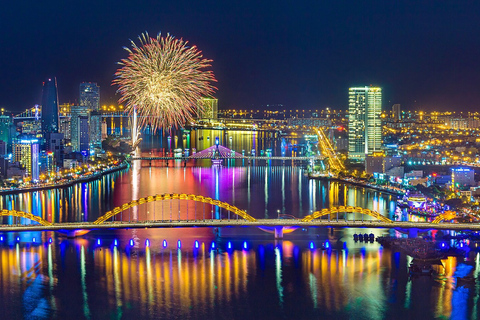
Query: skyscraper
(95, 129)
(364, 123)
(90, 95)
(209, 108)
(79, 117)
(49, 107)
(26, 151)
(396, 112)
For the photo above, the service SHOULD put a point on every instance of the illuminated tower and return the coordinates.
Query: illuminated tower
(90, 95)
(26, 151)
(364, 122)
(49, 107)
(209, 108)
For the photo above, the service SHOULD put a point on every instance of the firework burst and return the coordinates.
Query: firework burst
(163, 79)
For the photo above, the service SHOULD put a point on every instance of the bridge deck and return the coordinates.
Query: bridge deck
(244, 223)
(227, 158)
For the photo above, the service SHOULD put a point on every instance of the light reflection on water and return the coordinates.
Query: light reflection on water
(262, 191)
(81, 279)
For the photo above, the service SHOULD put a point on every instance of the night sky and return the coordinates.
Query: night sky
(302, 54)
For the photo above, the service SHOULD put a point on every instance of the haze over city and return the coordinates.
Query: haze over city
(302, 55)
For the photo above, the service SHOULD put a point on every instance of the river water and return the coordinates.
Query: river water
(232, 273)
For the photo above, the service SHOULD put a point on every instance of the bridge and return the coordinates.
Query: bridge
(340, 216)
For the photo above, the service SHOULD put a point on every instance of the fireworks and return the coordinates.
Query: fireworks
(163, 79)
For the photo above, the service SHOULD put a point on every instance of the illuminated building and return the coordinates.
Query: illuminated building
(209, 108)
(79, 122)
(463, 177)
(49, 119)
(47, 162)
(95, 129)
(26, 151)
(65, 127)
(90, 95)
(396, 112)
(55, 147)
(364, 123)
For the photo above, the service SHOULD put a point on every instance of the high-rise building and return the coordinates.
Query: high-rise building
(75, 126)
(83, 135)
(95, 130)
(209, 108)
(90, 95)
(49, 107)
(364, 122)
(396, 115)
(26, 150)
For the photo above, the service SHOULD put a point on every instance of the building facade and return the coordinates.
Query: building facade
(26, 151)
(77, 125)
(90, 96)
(49, 121)
(364, 122)
(209, 108)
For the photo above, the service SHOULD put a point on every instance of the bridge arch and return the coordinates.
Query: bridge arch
(26, 215)
(447, 215)
(345, 209)
(173, 196)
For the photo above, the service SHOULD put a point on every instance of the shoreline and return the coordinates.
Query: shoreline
(92, 177)
(355, 184)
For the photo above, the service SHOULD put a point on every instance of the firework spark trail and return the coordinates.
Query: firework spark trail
(163, 79)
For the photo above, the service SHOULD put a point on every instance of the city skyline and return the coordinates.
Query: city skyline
(301, 56)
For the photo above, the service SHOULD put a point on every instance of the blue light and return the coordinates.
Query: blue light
(50, 240)
(229, 245)
(33, 240)
(213, 245)
(98, 242)
(18, 239)
(196, 244)
(147, 243)
(1, 238)
(312, 245)
(131, 242)
(179, 244)
(115, 243)
(164, 243)
(245, 245)
(443, 245)
(327, 244)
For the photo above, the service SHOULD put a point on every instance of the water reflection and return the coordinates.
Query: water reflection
(80, 278)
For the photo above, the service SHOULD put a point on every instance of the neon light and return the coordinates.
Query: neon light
(213, 245)
(147, 243)
(164, 243)
(229, 245)
(245, 245)
(18, 239)
(327, 244)
(131, 242)
(98, 242)
(115, 243)
(196, 244)
(179, 244)
(312, 245)
(33, 240)
(50, 240)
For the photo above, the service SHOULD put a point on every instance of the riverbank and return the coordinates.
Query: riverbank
(70, 183)
(355, 183)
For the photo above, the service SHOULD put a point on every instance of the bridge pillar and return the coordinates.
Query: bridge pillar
(412, 233)
(278, 232)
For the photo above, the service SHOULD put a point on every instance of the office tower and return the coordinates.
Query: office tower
(49, 122)
(47, 162)
(397, 116)
(83, 136)
(26, 150)
(65, 127)
(209, 108)
(75, 126)
(364, 122)
(90, 96)
(95, 129)
(5, 125)
(55, 147)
